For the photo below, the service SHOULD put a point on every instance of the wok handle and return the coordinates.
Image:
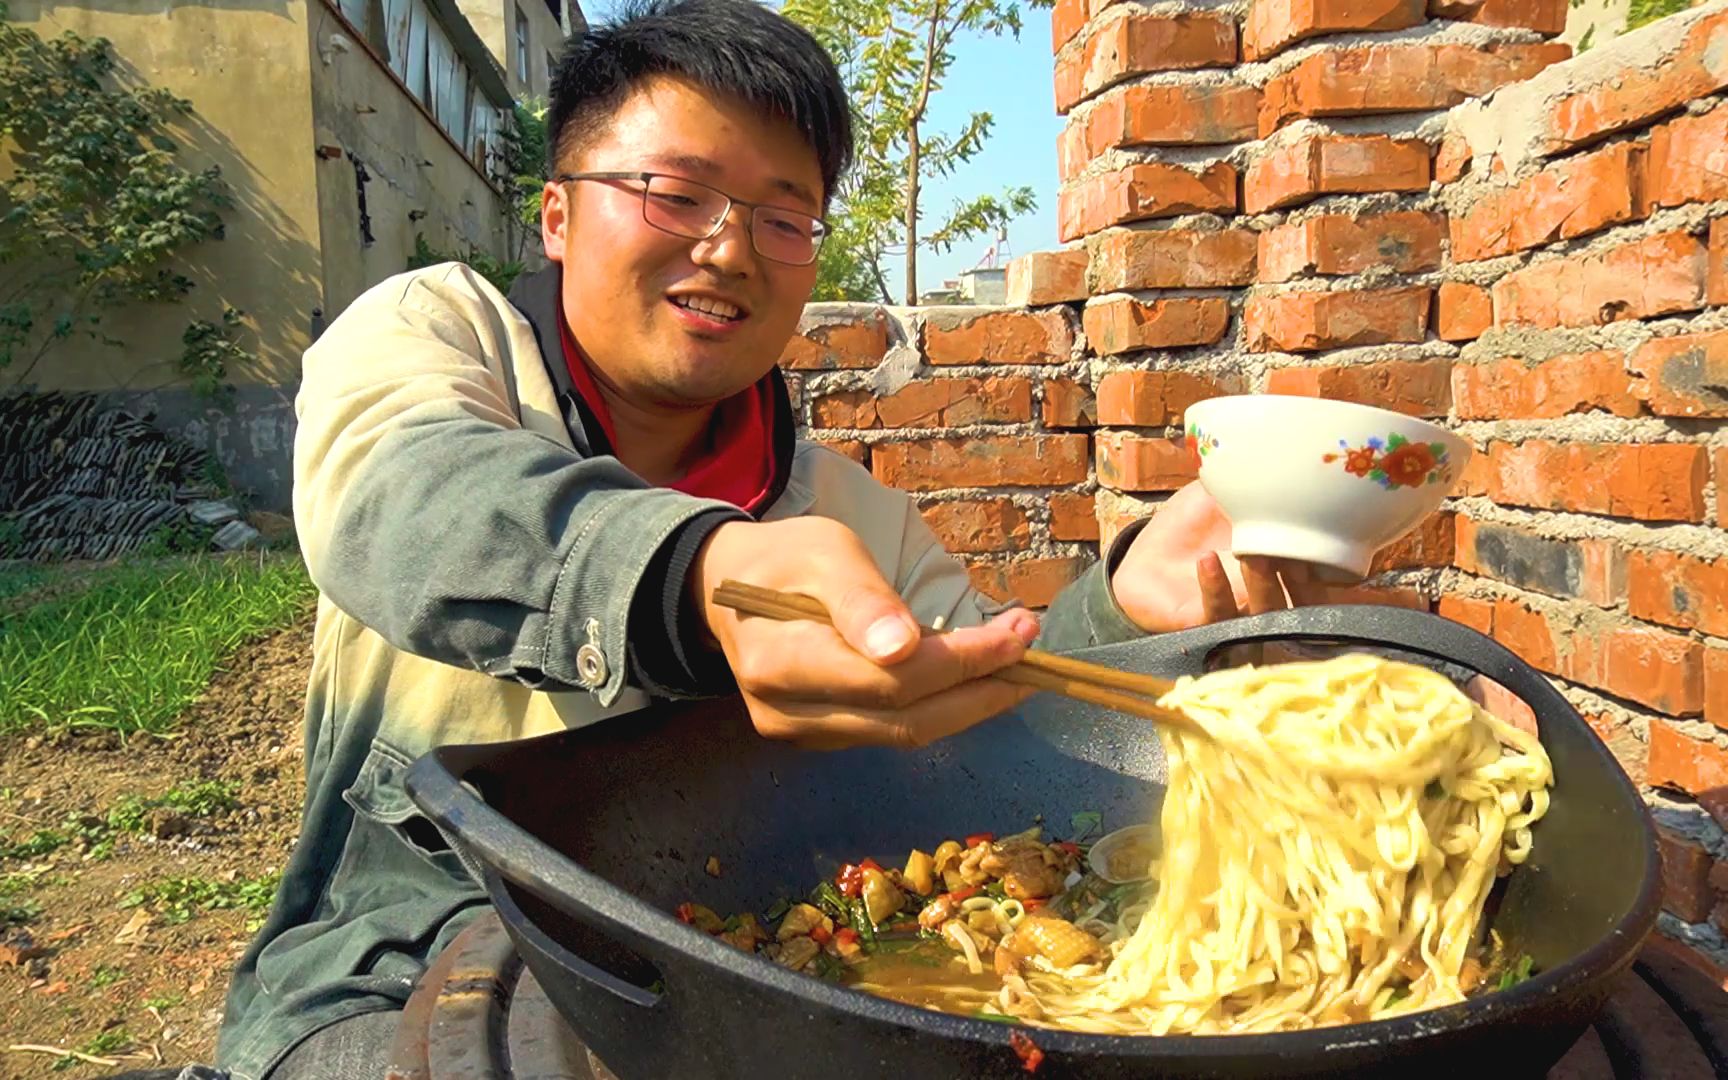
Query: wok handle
(1371, 625)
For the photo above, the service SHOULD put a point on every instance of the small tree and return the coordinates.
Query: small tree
(97, 209)
(894, 56)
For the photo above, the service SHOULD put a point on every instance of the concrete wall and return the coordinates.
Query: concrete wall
(495, 22)
(244, 67)
(417, 180)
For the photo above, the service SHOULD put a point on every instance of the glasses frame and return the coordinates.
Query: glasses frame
(647, 178)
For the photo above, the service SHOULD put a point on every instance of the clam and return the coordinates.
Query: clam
(1126, 855)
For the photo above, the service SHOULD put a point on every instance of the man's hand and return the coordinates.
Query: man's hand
(868, 679)
(1178, 572)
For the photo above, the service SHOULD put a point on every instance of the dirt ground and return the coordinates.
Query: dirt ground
(134, 984)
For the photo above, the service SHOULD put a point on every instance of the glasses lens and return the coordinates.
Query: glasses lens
(681, 207)
(787, 236)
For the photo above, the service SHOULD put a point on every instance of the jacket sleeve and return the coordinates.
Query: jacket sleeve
(430, 514)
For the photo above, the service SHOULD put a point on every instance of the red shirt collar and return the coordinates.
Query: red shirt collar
(738, 466)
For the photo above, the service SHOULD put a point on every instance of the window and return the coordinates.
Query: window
(551, 66)
(521, 46)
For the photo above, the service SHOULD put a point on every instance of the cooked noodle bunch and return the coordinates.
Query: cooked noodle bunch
(1327, 854)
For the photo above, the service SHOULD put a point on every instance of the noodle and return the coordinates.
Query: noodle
(1344, 822)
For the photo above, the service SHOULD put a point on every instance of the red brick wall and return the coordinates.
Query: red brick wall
(1444, 215)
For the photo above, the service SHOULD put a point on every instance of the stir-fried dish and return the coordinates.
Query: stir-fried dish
(1325, 854)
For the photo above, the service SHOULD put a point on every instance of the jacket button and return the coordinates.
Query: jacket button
(591, 666)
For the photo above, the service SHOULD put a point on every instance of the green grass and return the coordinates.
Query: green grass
(129, 814)
(19, 577)
(1645, 12)
(180, 899)
(138, 646)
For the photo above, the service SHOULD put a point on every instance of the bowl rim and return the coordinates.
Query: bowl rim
(1363, 411)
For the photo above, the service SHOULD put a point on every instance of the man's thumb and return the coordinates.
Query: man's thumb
(874, 620)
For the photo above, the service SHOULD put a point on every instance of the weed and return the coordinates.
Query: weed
(138, 646)
(105, 1042)
(106, 976)
(181, 899)
(165, 1001)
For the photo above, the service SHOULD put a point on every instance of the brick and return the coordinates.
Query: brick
(1658, 275)
(1478, 615)
(1648, 481)
(1273, 25)
(1429, 544)
(1641, 93)
(1383, 595)
(1511, 389)
(1689, 159)
(1122, 324)
(963, 336)
(1072, 156)
(981, 461)
(1073, 517)
(1068, 404)
(1478, 473)
(1463, 312)
(1593, 570)
(1154, 398)
(1683, 763)
(1033, 582)
(1453, 158)
(1187, 114)
(1067, 19)
(1685, 876)
(1310, 321)
(852, 448)
(1678, 590)
(1041, 278)
(1571, 198)
(1129, 462)
(1631, 754)
(1716, 709)
(1543, 16)
(1412, 387)
(1655, 668)
(860, 342)
(988, 525)
(1721, 472)
(1142, 193)
(1119, 49)
(1334, 165)
(1526, 633)
(1685, 375)
(1126, 260)
(927, 403)
(1405, 241)
(1716, 286)
(1398, 78)
(1719, 871)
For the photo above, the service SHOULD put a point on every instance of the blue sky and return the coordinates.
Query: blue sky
(1012, 81)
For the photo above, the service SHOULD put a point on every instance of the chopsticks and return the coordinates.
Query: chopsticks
(1095, 684)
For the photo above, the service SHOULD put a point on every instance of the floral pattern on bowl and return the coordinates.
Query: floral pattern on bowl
(1199, 444)
(1394, 462)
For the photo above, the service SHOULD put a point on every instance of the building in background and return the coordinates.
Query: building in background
(345, 130)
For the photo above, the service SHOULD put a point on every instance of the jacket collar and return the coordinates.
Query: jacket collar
(536, 297)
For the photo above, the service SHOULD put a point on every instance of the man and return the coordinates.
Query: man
(516, 511)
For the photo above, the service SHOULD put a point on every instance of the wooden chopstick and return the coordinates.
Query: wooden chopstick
(1123, 691)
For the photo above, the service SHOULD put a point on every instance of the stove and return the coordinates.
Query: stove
(478, 1014)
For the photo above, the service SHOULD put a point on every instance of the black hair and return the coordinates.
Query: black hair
(737, 47)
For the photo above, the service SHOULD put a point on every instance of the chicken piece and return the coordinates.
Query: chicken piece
(938, 911)
(1470, 975)
(881, 898)
(796, 952)
(971, 871)
(1057, 940)
(947, 860)
(801, 920)
(1007, 960)
(1028, 869)
(747, 935)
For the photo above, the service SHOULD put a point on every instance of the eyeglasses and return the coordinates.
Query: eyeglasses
(698, 212)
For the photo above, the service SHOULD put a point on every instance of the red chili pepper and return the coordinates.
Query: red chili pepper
(963, 894)
(1033, 904)
(821, 934)
(870, 864)
(1069, 846)
(1030, 1056)
(687, 914)
(850, 880)
(845, 936)
(980, 838)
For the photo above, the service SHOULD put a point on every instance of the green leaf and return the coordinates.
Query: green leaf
(1085, 822)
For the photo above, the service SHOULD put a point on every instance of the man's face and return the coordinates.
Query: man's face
(629, 287)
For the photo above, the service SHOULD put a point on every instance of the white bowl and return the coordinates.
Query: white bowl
(1326, 482)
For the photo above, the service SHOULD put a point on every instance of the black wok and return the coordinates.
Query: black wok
(588, 839)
